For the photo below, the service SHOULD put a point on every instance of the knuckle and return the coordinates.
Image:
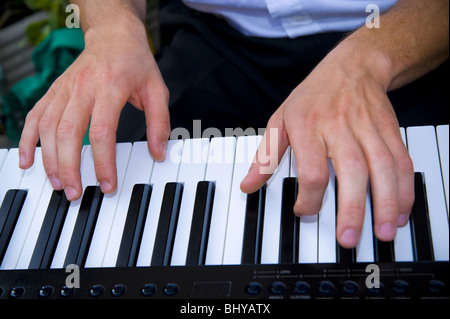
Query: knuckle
(82, 77)
(159, 91)
(165, 91)
(50, 165)
(384, 158)
(164, 125)
(67, 175)
(104, 169)
(354, 211)
(67, 130)
(355, 162)
(388, 206)
(314, 178)
(405, 164)
(47, 123)
(32, 116)
(98, 133)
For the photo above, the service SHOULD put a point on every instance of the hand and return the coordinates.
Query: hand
(116, 66)
(341, 112)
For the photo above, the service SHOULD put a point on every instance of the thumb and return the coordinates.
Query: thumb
(270, 152)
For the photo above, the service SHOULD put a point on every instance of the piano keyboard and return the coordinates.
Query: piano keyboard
(188, 215)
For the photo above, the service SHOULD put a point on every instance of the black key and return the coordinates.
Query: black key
(167, 225)
(134, 226)
(50, 231)
(343, 255)
(253, 227)
(201, 221)
(6, 207)
(383, 251)
(13, 212)
(289, 233)
(84, 226)
(420, 223)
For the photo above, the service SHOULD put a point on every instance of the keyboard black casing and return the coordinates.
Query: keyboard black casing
(406, 280)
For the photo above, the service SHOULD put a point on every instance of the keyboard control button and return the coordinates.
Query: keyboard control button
(171, 290)
(400, 287)
(254, 288)
(278, 288)
(326, 288)
(148, 290)
(436, 286)
(96, 290)
(16, 292)
(118, 290)
(376, 291)
(45, 291)
(350, 287)
(66, 292)
(302, 288)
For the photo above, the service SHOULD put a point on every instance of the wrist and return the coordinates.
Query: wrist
(115, 28)
(360, 60)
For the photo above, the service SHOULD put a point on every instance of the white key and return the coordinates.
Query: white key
(139, 171)
(3, 154)
(33, 180)
(364, 250)
(163, 173)
(309, 230)
(443, 141)
(107, 211)
(403, 241)
(192, 170)
(10, 174)
(35, 228)
(88, 178)
(327, 222)
(219, 170)
(245, 151)
(272, 212)
(423, 149)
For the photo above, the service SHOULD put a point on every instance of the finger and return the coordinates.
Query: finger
(352, 177)
(30, 132)
(155, 102)
(384, 186)
(312, 171)
(404, 170)
(405, 182)
(48, 128)
(270, 152)
(71, 130)
(102, 135)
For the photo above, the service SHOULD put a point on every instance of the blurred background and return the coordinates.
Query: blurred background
(35, 48)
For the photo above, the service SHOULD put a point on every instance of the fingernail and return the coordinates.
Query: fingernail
(163, 148)
(56, 183)
(403, 220)
(71, 193)
(349, 238)
(106, 187)
(22, 160)
(388, 231)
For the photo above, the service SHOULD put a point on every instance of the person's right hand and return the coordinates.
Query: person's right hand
(116, 66)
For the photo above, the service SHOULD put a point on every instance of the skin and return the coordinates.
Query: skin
(340, 112)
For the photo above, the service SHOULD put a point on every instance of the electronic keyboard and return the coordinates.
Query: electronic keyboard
(182, 228)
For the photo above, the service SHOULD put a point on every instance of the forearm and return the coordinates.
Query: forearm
(110, 15)
(412, 40)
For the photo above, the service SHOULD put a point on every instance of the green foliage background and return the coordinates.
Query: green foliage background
(39, 30)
